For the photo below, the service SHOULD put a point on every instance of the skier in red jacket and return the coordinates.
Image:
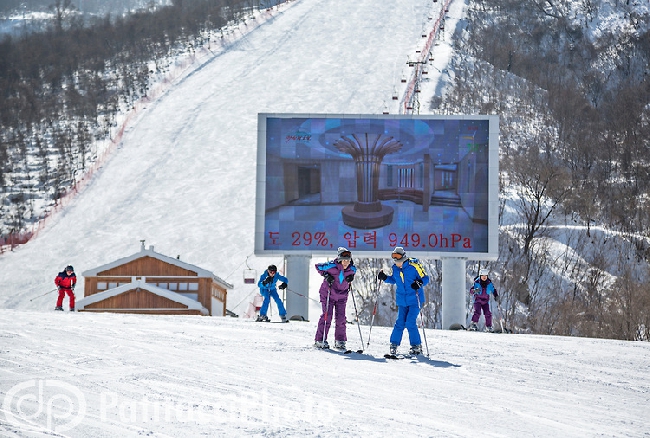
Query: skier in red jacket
(65, 281)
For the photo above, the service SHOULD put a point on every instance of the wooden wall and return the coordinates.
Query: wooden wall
(136, 299)
(155, 272)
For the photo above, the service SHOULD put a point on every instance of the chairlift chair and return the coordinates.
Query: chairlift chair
(250, 276)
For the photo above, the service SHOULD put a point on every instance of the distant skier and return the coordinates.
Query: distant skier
(267, 289)
(481, 291)
(65, 282)
(337, 276)
(408, 276)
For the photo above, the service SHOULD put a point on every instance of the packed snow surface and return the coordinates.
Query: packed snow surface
(103, 375)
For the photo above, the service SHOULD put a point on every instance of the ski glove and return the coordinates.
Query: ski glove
(417, 284)
(282, 286)
(349, 278)
(329, 278)
(381, 276)
(267, 281)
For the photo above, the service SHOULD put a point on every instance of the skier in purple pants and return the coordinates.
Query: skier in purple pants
(337, 276)
(481, 290)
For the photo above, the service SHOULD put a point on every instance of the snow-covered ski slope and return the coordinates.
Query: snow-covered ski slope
(191, 376)
(183, 178)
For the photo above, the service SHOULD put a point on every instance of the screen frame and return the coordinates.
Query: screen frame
(492, 192)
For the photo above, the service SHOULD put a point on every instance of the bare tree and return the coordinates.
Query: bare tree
(543, 184)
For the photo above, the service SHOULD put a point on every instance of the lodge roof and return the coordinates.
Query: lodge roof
(149, 252)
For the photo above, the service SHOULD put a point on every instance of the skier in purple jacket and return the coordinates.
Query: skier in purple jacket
(481, 291)
(337, 276)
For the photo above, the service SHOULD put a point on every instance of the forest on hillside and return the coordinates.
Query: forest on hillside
(18, 7)
(574, 108)
(574, 102)
(62, 90)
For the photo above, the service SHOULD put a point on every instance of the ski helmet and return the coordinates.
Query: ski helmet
(69, 268)
(343, 254)
(483, 272)
(398, 254)
(272, 268)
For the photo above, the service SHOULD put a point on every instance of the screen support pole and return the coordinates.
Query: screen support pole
(297, 272)
(454, 291)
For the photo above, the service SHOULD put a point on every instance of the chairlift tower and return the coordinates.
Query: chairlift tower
(413, 105)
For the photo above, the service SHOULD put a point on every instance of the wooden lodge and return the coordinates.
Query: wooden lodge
(151, 283)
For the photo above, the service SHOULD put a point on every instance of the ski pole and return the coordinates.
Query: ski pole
(357, 315)
(374, 312)
(424, 334)
(471, 311)
(327, 308)
(503, 328)
(46, 293)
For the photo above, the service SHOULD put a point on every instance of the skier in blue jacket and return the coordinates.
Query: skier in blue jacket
(409, 277)
(267, 289)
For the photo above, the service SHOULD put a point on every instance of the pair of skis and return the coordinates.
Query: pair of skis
(340, 350)
(386, 356)
(401, 356)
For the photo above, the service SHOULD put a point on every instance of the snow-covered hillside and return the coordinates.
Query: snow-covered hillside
(183, 179)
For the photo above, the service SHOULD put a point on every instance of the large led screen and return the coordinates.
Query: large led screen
(372, 182)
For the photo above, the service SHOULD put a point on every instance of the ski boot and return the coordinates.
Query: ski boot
(262, 318)
(72, 309)
(340, 345)
(58, 308)
(284, 318)
(415, 350)
(393, 349)
(473, 327)
(322, 344)
(489, 329)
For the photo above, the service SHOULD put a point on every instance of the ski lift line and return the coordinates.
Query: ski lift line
(246, 297)
(407, 101)
(239, 265)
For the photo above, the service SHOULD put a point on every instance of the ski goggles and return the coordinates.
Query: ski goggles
(345, 255)
(397, 256)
